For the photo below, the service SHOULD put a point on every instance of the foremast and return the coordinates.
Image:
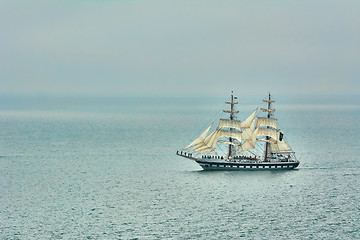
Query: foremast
(232, 112)
(270, 112)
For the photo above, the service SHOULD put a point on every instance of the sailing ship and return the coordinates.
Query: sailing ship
(253, 144)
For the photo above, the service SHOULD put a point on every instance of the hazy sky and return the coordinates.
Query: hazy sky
(179, 48)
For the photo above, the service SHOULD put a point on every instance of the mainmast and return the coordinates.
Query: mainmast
(232, 112)
(269, 110)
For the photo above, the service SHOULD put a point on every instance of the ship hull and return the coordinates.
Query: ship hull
(236, 166)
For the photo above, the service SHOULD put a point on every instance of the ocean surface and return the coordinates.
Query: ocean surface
(105, 168)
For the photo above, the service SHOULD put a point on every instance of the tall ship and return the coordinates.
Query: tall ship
(256, 143)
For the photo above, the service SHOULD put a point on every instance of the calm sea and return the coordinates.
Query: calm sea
(106, 169)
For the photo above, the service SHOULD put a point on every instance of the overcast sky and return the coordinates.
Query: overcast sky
(121, 48)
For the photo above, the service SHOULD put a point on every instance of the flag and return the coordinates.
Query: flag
(281, 136)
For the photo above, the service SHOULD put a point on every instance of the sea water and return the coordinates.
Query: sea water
(107, 169)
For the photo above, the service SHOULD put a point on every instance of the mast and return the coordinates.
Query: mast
(231, 118)
(269, 111)
(232, 112)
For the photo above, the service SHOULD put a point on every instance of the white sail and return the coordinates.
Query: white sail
(271, 140)
(230, 134)
(268, 132)
(247, 122)
(231, 143)
(266, 122)
(248, 144)
(280, 145)
(200, 138)
(248, 132)
(251, 137)
(228, 123)
(209, 143)
(267, 110)
(231, 111)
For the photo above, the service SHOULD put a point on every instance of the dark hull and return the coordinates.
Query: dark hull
(235, 166)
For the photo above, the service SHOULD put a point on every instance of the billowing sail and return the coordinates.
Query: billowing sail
(266, 122)
(231, 111)
(231, 143)
(247, 122)
(268, 132)
(209, 143)
(267, 110)
(230, 124)
(248, 132)
(250, 140)
(200, 138)
(232, 134)
(280, 145)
